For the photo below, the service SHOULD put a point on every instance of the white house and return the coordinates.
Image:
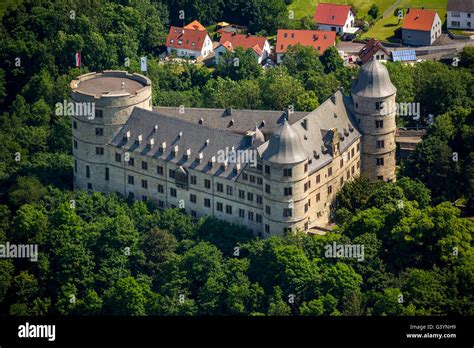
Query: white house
(229, 41)
(338, 18)
(188, 43)
(460, 14)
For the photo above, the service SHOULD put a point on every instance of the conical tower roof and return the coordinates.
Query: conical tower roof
(284, 146)
(373, 81)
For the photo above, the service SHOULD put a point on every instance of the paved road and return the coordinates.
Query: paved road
(389, 11)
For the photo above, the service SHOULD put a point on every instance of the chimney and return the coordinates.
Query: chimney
(180, 135)
(201, 121)
(207, 142)
(155, 129)
(163, 146)
(187, 155)
(199, 157)
(333, 99)
(139, 140)
(126, 137)
(151, 143)
(175, 150)
(212, 161)
(304, 123)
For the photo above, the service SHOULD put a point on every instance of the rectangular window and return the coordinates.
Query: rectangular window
(259, 199)
(159, 170)
(287, 212)
(329, 189)
(75, 166)
(250, 215)
(380, 161)
(193, 180)
(89, 186)
(172, 173)
(74, 124)
(268, 210)
(330, 171)
(267, 169)
(318, 197)
(118, 157)
(220, 187)
(288, 191)
(99, 113)
(99, 150)
(352, 152)
(106, 174)
(378, 105)
(230, 190)
(259, 181)
(267, 188)
(75, 144)
(99, 131)
(250, 196)
(380, 144)
(219, 206)
(259, 167)
(161, 204)
(131, 180)
(207, 183)
(267, 228)
(341, 163)
(352, 170)
(358, 147)
(245, 176)
(287, 172)
(144, 184)
(88, 172)
(193, 198)
(379, 124)
(131, 162)
(258, 218)
(241, 213)
(228, 209)
(318, 179)
(242, 194)
(144, 165)
(161, 188)
(193, 213)
(252, 178)
(207, 202)
(172, 192)
(305, 167)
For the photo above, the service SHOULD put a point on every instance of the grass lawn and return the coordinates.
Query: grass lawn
(304, 8)
(384, 28)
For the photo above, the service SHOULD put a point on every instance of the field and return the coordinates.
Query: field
(385, 27)
(304, 8)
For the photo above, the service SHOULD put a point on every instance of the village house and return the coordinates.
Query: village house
(460, 14)
(338, 18)
(191, 42)
(373, 48)
(318, 39)
(229, 41)
(421, 27)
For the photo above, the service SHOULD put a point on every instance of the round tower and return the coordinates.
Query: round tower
(102, 104)
(373, 95)
(285, 168)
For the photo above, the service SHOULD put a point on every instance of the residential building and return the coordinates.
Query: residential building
(318, 39)
(229, 41)
(460, 14)
(333, 17)
(373, 48)
(421, 27)
(189, 43)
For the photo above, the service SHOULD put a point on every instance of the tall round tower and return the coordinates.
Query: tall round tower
(373, 95)
(285, 173)
(105, 101)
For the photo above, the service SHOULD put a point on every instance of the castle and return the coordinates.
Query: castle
(270, 171)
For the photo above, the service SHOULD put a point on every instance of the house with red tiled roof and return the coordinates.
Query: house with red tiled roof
(333, 17)
(421, 27)
(318, 39)
(373, 48)
(229, 41)
(188, 43)
(195, 25)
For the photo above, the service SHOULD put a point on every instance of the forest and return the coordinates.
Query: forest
(103, 254)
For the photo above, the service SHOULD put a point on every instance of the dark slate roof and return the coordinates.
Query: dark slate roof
(373, 81)
(194, 136)
(242, 120)
(461, 5)
(320, 124)
(284, 146)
